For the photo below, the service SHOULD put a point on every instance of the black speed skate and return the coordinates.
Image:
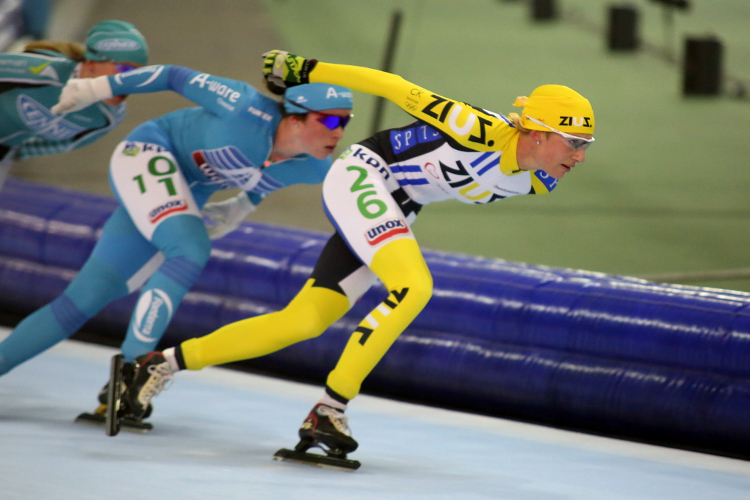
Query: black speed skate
(326, 428)
(152, 373)
(127, 421)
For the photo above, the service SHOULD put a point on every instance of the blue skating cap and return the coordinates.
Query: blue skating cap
(116, 41)
(317, 97)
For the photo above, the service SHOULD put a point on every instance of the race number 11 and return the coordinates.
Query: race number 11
(155, 166)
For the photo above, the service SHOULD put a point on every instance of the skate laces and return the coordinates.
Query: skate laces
(337, 418)
(161, 376)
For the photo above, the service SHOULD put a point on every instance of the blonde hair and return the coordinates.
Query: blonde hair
(73, 50)
(516, 119)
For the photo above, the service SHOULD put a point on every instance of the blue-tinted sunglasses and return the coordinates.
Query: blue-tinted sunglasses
(330, 121)
(122, 68)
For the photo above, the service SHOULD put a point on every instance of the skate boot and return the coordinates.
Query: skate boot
(152, 373)
(129, 421)
(326, 428)
(128, 373)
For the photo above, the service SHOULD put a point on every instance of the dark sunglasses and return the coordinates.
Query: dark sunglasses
(330, 121)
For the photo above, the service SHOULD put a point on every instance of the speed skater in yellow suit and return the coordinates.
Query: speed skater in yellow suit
(372, 195)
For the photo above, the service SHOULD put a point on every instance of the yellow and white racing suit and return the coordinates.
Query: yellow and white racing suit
(372, 195)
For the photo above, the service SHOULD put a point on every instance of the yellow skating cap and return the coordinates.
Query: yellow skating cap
(559, 107)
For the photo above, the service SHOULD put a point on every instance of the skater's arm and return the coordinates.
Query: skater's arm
(40, 146)
(472, 127)
(216, 94)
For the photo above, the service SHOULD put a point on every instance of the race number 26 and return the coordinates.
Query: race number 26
(373, 207)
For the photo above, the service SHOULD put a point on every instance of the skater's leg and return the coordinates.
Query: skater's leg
(184, 242)
(379, 233)
(338, 280)
(380, 236)
(147, 179)
(402, 269)
(103, 278)
(308, 315)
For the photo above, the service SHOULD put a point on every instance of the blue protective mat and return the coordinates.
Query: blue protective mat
(216, 430)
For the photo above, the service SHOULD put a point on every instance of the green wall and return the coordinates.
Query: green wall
(663, 190)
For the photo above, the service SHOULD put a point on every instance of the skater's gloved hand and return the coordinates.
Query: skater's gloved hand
(282, 69)
(226, 216)
(79, 93)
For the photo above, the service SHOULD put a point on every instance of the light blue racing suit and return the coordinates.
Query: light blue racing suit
(178, 160)
(30, 84)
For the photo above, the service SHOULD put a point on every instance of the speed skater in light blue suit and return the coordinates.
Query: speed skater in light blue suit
(31, 83)
(163, 173)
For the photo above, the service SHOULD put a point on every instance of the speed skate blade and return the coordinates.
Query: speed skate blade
(126, 424)
(324, 461)
(114, 394)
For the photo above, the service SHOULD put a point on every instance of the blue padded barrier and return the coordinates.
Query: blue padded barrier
(598, 352)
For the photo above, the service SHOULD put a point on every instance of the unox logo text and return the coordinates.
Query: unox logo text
(381, 232)
(167, 208)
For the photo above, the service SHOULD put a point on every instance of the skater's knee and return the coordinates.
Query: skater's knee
(402, 269)
(186, 248)
(69, 315)
(196, 250)
(313, 310)
(95, 286)
(312, 326)
(183, 237)
(419, 289)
